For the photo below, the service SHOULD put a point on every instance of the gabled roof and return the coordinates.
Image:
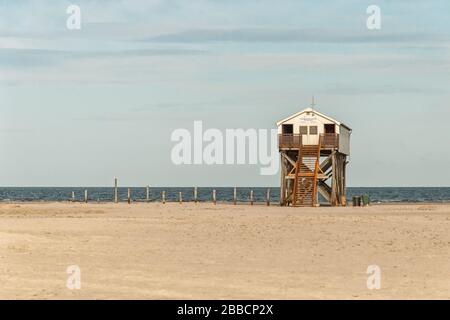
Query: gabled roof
(315, 112)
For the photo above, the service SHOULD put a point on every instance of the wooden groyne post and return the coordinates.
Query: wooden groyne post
(163, 196)
(235, 196)
(86, 196)
(214, 197)
(73, 196)
(180, 197)
(116, 191)
(195, 195)
(268, 197)
(148, 194)
(251, 197)
(129, 196)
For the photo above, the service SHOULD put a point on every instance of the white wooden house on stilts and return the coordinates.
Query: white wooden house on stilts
(314, 150)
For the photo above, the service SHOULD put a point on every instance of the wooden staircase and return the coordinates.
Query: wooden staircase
(306, 172)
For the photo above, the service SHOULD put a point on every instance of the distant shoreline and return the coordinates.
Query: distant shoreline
(378, 195)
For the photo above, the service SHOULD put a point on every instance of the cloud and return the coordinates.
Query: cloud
(42, 57)
(290, 35)
(378, 89)
(203, 74)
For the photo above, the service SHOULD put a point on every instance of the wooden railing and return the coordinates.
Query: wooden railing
(287, 141)
(330, 140)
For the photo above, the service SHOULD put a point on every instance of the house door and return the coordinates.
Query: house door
(309, 134)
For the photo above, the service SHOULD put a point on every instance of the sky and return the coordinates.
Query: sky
(80, 107)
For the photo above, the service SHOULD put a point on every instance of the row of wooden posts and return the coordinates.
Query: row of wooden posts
(180, 195)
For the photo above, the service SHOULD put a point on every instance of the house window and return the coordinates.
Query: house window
(313, 130)
(303, 130)
(287, 129)
(330, 128)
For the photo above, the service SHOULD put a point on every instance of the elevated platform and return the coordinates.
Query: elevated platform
(330, 141)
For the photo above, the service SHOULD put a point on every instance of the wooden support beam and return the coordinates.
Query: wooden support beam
(283, 180)
(333, 200)
(326, 164)
(320, 176)
(344, 182)
(324, 190)
(292, 162)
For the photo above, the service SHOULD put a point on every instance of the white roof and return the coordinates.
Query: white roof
(315, 112)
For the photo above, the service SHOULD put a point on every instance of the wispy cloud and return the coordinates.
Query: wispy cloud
(41, 57)
(347, 89)
(291, 35)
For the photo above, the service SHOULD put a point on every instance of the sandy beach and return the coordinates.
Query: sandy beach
(202, 251)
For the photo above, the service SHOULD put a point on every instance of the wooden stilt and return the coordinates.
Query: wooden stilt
(235, 196)
(163, 196)
(268, 197)
(283, 180)
(129, 196)
(333, 174)
(214, 197)
(344, 178)
(251, 197)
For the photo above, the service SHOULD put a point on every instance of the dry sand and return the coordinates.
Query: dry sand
(173, 251)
